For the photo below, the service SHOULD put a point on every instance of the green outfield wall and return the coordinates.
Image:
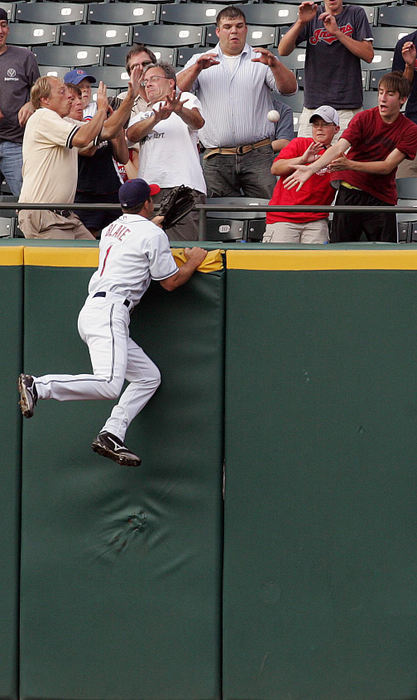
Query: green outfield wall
(267, 547)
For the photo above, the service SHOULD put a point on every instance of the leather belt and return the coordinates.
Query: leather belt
(236, 150)
(103, 294)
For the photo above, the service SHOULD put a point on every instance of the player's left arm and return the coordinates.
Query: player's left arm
(376, 167)
(195, 257)
(363, 49)
(285, 80)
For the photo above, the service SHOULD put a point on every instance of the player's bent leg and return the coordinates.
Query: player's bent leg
(145, 378)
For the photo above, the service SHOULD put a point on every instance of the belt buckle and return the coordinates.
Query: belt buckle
(240, 151)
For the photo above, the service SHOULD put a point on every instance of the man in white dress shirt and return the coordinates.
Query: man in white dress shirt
(234, 84)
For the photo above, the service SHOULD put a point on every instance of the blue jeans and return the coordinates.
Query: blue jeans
(229, 175)
(11, 165)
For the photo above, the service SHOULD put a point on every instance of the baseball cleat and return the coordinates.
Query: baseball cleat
(108, 445)
(28, 394)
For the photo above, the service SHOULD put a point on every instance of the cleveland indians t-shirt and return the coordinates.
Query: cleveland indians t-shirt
(332, 73)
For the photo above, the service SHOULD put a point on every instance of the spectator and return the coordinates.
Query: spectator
(18, 72)
(405, 62)
(50, 148)
(338, 36)
(234, 84)
(83, 81)
(168, 135)
(103, 159)
(303, 227)
(379, 139)
(284, 127)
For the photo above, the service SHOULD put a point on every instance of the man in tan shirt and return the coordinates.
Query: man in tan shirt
(50, 149)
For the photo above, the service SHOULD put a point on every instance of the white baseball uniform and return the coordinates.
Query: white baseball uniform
(133, 251)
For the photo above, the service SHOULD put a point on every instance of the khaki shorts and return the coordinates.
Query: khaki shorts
(43, 223)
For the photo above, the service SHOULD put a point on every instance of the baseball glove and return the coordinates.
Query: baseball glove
(176, 204)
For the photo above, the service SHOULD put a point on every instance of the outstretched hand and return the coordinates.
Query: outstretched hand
(297, 179)
(102, 101)
(312, 152)
(409, 53)
(266, 57)
(134, 82)
(307, 11)
(206, 60)
(196, 255)
(329, 22)
(340, 163)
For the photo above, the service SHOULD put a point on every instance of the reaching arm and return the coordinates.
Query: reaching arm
(88, 131)
(362, 49)
(376, 167)
(279, 144)
(285, 166)
(195, 257)
(188, 76)
(303, 172)
(119, 148)
(120, 116)
(284, 77)
(306, 12)
(409, 54)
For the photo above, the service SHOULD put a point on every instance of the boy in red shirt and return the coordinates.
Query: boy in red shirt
(303, 227)
(379, 139)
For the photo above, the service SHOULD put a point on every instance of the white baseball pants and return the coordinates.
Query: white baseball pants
(103, 323)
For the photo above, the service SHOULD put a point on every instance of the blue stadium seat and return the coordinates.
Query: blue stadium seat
(116, 55)
(190, 13)
(70, 56)
(122, 12)
(168, 35)
(50, 12)
(387, 37)
(95, 34)
(398, 16)
(33, 34)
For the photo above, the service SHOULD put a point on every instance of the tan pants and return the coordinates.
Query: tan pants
(45, 224)
(292, 232)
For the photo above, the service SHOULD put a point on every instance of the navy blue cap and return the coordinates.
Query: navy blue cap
(137, 191)
(77, 75)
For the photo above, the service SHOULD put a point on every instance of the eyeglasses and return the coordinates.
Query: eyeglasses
(153, 79)
(138, 65)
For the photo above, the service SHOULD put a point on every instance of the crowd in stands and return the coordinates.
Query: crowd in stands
(211, 126)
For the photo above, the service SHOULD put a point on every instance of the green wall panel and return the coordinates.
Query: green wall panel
(11, 347)
(121, 568)
(320, 551)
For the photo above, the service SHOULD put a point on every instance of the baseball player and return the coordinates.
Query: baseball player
(133, 251)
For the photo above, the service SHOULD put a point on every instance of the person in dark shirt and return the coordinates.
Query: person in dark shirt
(405, 61)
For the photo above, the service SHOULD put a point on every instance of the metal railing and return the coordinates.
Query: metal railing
(206, 208)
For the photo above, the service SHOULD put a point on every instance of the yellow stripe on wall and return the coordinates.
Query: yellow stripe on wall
(61, 257)
(11, 255)
(327, 259)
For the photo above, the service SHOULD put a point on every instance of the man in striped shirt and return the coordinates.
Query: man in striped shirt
(234, 84)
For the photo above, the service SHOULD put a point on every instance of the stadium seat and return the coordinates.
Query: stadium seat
(387, 37)
(185, 53)
(122, 12)
(115, 77)
(168, 35)
(95, 34)
(272, 14)
(370, 99)
(55, 71)
(296, 102)
(407, 196)
(398, 16)
(190, 13)
(295, 60)
(371, 13)
(382, 60)
(50, 12)
(374, 78)
(33, 34)
(69, 56)
(257, 36)
(238, 225)
(115, 55)
(7, 226)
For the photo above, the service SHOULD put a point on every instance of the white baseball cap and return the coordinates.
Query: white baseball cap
(327, 113)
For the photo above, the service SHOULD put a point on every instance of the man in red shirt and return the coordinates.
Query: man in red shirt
(379, 139)
(303, 227)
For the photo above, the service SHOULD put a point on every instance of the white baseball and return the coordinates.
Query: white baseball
(273, 115)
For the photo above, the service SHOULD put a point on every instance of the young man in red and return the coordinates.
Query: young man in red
(379, 139)
(303, 227)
